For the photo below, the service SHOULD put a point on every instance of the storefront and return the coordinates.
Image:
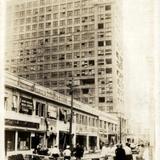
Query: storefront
(92, 143)
(21, 136)
(82, 140)
(63, 139)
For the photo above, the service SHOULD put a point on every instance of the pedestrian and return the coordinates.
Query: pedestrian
(120, 153)
(78, 152)
(39, 148)
(146, 153)
(128, 152)
(104, 152)
(141, 151)
(67, 153)
(111, 151)
(55, 153)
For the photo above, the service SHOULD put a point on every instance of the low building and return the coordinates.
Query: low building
(35, 114)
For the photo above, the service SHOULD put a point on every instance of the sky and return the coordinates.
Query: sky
(138, 50)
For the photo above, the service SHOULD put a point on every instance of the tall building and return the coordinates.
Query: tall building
(51, 41)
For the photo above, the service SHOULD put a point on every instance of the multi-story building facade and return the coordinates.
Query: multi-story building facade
(35, 114)
(50, 41)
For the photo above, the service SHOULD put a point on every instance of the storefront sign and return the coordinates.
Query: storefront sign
(21, 123)
(52, 111)
(26, 105)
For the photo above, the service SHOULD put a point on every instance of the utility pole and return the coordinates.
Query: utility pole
(71, 86)
(120, 124)
(120, 128)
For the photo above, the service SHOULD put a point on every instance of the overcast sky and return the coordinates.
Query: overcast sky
(138, 49)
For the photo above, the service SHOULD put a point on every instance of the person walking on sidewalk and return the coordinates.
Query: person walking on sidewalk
(78, 152)
(55, 153)
(120, 153)
(128, 152)
(67, 153)
(141, 151)
(105, 151)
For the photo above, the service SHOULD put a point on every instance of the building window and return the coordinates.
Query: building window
(69, 21)
(23, 140)
(77, 12)
(53, 83)
(69, 56)
(62, 31)
(108, 43)
(62, 14)
(100, 25)
(77, 4)
(55, 8)
(55, 16)
(77, 29)
(9, 140)
(101, 43)
(54, 66)
(48, 9)
(108, 7)
(40, 109)
(61, 39)
(101, 99)
(76, 20)
(108, 70)
(55, 23)
(48, 17)
(62, 23)
(69, 13)
(54, 75)
(109, 61)
(55, 31)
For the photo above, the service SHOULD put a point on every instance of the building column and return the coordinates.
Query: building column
(16, 140)
(87, 142)
(57, 138)
(74, 139)
(97, 141)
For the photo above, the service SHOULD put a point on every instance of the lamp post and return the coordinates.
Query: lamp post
(71, 86)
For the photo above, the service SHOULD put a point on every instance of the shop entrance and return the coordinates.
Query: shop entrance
(51, 140)
(36, 139)
(82, 140)
(92, 143)
(63, 139)
(9, 141)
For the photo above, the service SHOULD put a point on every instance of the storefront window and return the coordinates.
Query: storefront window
(23, 140)
(9, 140)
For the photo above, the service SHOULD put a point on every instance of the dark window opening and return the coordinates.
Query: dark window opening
(102, 99)
(100, 26)
(101, 43)
(108, 61)
(108, 70)
(85, 91)
(87, 81)
(108, 7)
(108, 43)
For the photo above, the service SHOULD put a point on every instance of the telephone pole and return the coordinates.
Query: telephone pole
(71, 86)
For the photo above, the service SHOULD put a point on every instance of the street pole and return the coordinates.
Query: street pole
(120, 128)
(120, 125)
(71, 86)
(71, 118)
